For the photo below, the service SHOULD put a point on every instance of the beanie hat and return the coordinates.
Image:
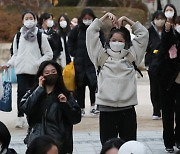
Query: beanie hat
(132, 147)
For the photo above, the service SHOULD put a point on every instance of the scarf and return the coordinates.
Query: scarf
(29, 33)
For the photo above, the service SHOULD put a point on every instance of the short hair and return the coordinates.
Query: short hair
(112, 143)
(124, 32)
(5, 136)
(157, 14)
(41, 145)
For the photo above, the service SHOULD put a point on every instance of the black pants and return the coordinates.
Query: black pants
(80, 92)
(155, 93)
(119, 123)
(171, 112)
(24, 83)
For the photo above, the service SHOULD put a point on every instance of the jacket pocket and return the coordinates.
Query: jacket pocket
(117, 89)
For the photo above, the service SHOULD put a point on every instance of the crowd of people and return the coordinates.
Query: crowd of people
(41, 49)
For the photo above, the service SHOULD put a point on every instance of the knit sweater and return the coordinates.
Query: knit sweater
(27, 58)
(116, 80)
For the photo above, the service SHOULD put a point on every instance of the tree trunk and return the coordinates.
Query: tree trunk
(82, 3)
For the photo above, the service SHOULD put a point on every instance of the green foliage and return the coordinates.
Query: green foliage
(10, 18)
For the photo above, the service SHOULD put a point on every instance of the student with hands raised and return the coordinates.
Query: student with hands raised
(117, 90)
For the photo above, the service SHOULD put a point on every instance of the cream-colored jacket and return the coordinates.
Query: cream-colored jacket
(27, 58)
(116, 80)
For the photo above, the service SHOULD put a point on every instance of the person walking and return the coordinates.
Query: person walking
(51, 108)
(151, 60)
(169, 68)
(117, 90)
(28, 54)
(45, 24)
(63, 30)
(85, 73)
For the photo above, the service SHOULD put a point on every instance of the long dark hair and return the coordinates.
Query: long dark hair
(124, 32)
(59, 86)
(174, 8)
(5, 136)
(84, 13)
(64, 31)
(43, 17)
(41, 145)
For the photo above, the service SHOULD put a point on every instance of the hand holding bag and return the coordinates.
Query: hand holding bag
(6, 100)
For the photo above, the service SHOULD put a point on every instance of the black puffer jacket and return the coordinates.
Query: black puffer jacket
(55, 43)
(59, 117)
(169, 68)
(151, 59)
(78, 50)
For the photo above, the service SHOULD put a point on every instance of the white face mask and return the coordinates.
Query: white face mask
(50, 23)
(87, 22)
(169, 14)
(159, 23)
(63, 24)
(29, 23)
(116, 46)
(178, 28)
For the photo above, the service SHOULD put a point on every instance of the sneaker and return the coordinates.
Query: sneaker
(20, 122)
(178, 145)
(169, 149)
(154, 117)
(82, 112)
(94, 112)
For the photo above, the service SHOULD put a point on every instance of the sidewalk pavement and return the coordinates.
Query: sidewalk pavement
(88, 142)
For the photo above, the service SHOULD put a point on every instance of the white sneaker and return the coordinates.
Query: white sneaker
(20, 122)
(154, 117)
(82, 112)
(94, 111)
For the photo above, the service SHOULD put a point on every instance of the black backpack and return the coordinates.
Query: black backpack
(39, 39)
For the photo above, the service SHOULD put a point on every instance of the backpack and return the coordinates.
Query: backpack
(105, 56)
(39, 39)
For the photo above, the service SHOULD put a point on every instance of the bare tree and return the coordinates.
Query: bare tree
(82, 3)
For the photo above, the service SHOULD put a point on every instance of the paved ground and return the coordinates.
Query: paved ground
(86, 134)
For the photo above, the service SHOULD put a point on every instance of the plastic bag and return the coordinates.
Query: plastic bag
(69, 76)
(6, 100)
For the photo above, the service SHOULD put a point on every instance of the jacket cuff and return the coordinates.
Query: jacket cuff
(136, 25)
(97, 23)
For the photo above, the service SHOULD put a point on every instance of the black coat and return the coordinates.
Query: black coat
(55, 43)
(77, 48)
(169, 68)
(151, 59)
(59, 117)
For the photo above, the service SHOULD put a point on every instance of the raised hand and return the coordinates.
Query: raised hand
(62, 98)
(111, 16)
(124, 18)
(167, 26)
(41, 81)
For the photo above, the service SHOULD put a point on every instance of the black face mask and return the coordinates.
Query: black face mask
(51, 79)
